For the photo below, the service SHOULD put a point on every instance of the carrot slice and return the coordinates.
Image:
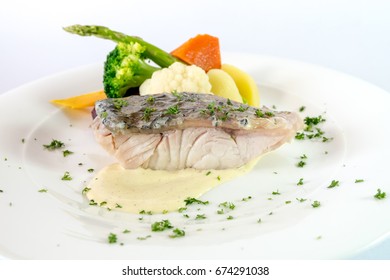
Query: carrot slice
(81, 101)
(202, 50)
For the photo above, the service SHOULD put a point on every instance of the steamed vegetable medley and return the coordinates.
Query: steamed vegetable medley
(135, 66)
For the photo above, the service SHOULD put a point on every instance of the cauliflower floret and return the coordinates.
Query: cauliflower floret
(177, 78)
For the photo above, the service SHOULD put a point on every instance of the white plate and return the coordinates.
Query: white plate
(59, 224)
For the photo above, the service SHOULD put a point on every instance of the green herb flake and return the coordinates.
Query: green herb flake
(42, 190)
(119, 103)
(246, 198)
(230, 218)
(126, 231)
(104, 115)
(359, 181)
(173, 110)
(259, 221)
(85, 190)
(182, 209)
(219, 178)
(259, 113)
(161, 226)
(66, 153)
(66, 177)
(150, 99)
(301, 164)
(228, 205)
(287, 202)
(92, 202)
(54, 145)
(147, 113)
(333, 184)
(144, 237)
(103, 203)
(118, 205)
(302, 108)
(220, 211)
(208, 173)
(276, 192)
(200, 217)
(191, 200)
(316, 204)
(112, 238)
(380, 194)
(301, 199)
(177, 233)
(143, 212)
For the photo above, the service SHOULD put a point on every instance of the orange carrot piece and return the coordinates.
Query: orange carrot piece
(202, 50)
(81, 101)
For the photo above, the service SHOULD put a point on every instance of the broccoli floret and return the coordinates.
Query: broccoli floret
(126, 65)
(125, 68)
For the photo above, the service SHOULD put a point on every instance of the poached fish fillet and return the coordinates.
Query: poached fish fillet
(189, 130)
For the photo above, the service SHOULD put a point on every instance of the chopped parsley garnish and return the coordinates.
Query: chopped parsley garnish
(276, 192)
(161, 226)
(143, 212)
(103, 115)
(66, 177)
(90, 170)
(301, 199)
(147, 113)
(112, 238)
(301, 164)
(300, 182)
(380, 194)
(118, 205)
(220, 211)
(333, 184)
(230, 218)
(119, 103)
(179, 96)
(173, 110)
(150, 99)
(54, 145)
(229, 102)
(103, 203)
(359, 181)
(42, 190)
(85, 190)
(226, 204)
(191, 200)
(316, 204)
(302, 108)
(208, 173)
(126, 231)
(182, 209)
(200, 217)
(144, 237)
(246, 198)
(92, 202)
(219, 178)
(259, 113)
(177, 233)
(66, 153)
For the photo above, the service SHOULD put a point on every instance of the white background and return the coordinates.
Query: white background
(351, 36)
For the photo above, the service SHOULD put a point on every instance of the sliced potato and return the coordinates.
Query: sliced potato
(223, 85)
(245, 83)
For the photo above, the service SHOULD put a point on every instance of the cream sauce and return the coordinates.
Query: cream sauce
(134, 190)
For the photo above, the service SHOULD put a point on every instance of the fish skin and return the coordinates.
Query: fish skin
(189, 130)
(194, 110)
